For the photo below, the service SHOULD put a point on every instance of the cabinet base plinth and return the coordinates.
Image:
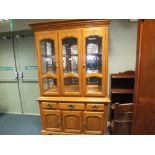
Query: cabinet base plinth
(45, 132)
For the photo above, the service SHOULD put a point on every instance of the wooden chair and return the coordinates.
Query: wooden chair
(122, 118)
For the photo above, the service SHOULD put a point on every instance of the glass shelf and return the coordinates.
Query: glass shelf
(48, 56)
(67, 55)
(100, 54)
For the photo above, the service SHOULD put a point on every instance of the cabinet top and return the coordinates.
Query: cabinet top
(75, 99)
(69, 24)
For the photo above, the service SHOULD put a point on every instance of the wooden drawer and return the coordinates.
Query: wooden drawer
(72, 106)
(50, 105)
(95, 107)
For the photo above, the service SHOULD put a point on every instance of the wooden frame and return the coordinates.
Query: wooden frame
(101, 32)
(74, 33)
(51, 36)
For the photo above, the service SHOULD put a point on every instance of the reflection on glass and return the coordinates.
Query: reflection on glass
(70, 55)
(48, 56)
(50, 85)
(94, 85)
(71, 84)
(94, 54)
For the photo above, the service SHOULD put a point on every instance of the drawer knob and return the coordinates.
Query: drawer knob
(71, 106)
(49, 105)
(95, 107)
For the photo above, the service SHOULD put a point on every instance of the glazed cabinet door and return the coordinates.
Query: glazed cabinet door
(70, 62)
(48, 62)
(93, 122)
(72, 121)
(94, 61)
(52, 120)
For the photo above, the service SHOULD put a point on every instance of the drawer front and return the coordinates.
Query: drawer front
(95, 107)
(72, 106)
(50, 105)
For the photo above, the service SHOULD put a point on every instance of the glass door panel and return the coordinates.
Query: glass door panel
(94, 54)
(70, 55)
(94, 85)
(48, 56)
(71, 84)
(70, 42)
(50, 85)
(47, 45)
(93, 61)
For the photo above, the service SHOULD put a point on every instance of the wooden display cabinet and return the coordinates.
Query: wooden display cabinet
(72, 68)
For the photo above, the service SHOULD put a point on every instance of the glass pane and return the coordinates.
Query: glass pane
(94, 54)
(50, 85)
(70, 55)
(48, 56)
(71, 84)
(94, 85)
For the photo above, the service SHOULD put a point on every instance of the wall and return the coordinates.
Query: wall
(122, 46)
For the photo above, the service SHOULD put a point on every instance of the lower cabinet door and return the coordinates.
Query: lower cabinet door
(93, 122)
(52, 120)
(72, 121)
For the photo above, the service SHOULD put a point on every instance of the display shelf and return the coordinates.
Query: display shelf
(122, 91)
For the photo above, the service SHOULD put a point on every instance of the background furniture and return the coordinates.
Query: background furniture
(122, 89)
(72, 61)
(122, 118)
(144, 96)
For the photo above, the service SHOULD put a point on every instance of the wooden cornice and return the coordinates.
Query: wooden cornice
(68, 24)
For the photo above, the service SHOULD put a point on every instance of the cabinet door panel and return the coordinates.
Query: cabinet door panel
(48, 62)
(93, 122)
(72, 121)
(94, 61)
(52, 120)
(70, 61)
